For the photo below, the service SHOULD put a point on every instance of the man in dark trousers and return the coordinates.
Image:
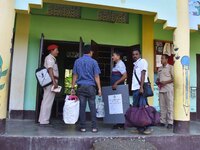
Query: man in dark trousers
(86, 75)
(140, 76)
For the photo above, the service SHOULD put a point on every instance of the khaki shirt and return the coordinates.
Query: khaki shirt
(50, 62)
(165, 74)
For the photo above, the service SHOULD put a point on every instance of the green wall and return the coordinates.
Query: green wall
(160, 34)
(58, 28)
(194, 49)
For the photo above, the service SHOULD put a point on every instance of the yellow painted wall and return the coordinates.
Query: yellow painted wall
(7, 15)
(147, 46)
(181, 83)
(19, 59)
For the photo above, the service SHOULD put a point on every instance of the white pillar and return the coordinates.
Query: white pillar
(19, 63)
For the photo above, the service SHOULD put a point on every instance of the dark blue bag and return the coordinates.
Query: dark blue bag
(148, 92)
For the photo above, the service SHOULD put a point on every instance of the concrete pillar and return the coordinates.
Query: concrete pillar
(7, 17)
(181, 69)
(19, 59)
(148, 47)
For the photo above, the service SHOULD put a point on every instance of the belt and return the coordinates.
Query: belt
(116, 73)
(80, 85)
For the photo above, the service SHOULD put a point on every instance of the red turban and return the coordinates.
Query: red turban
(52, 47)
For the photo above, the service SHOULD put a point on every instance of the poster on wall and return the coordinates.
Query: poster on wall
(194, 13)
(116, 103)
(158, 61)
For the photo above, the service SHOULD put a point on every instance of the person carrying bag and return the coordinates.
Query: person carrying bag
(141, 90)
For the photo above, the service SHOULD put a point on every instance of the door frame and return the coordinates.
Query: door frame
(95, 47)
(37, 109)
(197, 114)
(39, 89)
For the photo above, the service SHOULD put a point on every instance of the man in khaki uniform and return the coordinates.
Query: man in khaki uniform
(48, 97)
(166, 92)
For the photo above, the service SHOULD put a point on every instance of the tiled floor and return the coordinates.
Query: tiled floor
(27, 135)
(58, 128)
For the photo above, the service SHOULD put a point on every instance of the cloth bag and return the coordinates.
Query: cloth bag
(141, 115)
(137, 117)
(71, 109)
(148, 92)
(154, 115)
(43, 77)
(100, 110)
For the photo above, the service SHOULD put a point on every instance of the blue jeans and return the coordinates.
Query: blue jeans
(138, 99)
(87, 93)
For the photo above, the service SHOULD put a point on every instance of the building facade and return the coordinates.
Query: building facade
(28, 27)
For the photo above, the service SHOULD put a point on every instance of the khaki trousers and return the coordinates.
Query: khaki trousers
(166, 101)
(46, 105)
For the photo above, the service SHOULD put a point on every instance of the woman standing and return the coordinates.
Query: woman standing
(119, 75)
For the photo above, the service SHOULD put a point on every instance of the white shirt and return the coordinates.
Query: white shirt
(119, 67)
(50, 62)
(139, 66)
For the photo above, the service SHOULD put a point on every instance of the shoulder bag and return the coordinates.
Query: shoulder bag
(148, 92)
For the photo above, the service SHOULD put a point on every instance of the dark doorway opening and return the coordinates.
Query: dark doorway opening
(103, 54)
(197, 114)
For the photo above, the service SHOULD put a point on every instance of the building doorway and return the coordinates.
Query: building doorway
(103, 54)
(68, 53)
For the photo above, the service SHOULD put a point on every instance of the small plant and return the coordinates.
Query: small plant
(68, 81)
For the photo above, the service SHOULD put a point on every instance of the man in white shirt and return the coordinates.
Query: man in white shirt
(140, 76)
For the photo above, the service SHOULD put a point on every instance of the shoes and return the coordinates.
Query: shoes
(161, 125)
(118, 126)
(147, 131)
(169, 126)
(94, 130)
(82, 129)
(142, 131)
(135, 131)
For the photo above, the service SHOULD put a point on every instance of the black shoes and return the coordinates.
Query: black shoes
(169, 126)
(161, 125)
(118, 126)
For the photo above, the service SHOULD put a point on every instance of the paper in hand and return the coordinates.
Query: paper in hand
(56, 90)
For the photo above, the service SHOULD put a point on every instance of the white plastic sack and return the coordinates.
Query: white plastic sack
(100, 111)
(71, 111)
